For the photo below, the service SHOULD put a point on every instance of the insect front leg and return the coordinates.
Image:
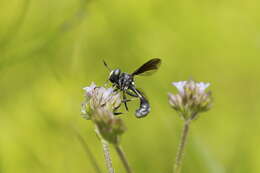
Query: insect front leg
(115, 110)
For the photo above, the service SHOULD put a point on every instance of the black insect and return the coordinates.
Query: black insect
(125, 82)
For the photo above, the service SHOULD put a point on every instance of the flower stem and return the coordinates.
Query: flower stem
(180, 152)
(123, 158)
(108, 159)
(106, 151)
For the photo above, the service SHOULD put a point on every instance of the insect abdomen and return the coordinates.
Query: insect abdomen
(144, 109)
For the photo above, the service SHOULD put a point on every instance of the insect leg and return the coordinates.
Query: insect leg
(131, 93)
(115, 90)
(115, 109)
(136, 92)
(125, 100)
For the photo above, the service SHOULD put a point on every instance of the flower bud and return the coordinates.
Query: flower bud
(109, 126)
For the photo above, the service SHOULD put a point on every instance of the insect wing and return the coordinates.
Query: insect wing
(148, 68)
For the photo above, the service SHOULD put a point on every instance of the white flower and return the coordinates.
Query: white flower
(99, 97)
(180, 86)
(108, 92)
(202, 86)
(90, 89)
(99, 107)
(191, 98)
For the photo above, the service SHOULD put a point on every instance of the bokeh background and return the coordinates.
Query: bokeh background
(51, 49)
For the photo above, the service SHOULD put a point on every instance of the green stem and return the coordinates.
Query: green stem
(123, 158)
(108, 159)
(106, 151)
(180, 152)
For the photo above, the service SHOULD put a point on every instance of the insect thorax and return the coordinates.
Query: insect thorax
(125, 80)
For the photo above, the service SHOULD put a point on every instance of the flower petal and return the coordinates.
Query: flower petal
(202, 86)
(90, 89)
(180, 86)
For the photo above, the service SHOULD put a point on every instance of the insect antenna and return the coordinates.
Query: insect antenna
(109, 69)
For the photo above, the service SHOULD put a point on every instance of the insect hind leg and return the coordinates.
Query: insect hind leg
(125, 101)
(131, 93)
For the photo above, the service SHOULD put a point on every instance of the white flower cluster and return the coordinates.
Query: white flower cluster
(99, 107)
(99, 97)
(191, 98)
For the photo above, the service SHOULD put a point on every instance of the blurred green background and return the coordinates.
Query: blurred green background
(51, 49)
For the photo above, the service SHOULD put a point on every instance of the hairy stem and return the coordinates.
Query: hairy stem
(180, 152)
(105, 145)
(108, 159)
(123, 158)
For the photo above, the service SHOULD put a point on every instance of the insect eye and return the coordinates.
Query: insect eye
(114, 75)
(116, 72)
